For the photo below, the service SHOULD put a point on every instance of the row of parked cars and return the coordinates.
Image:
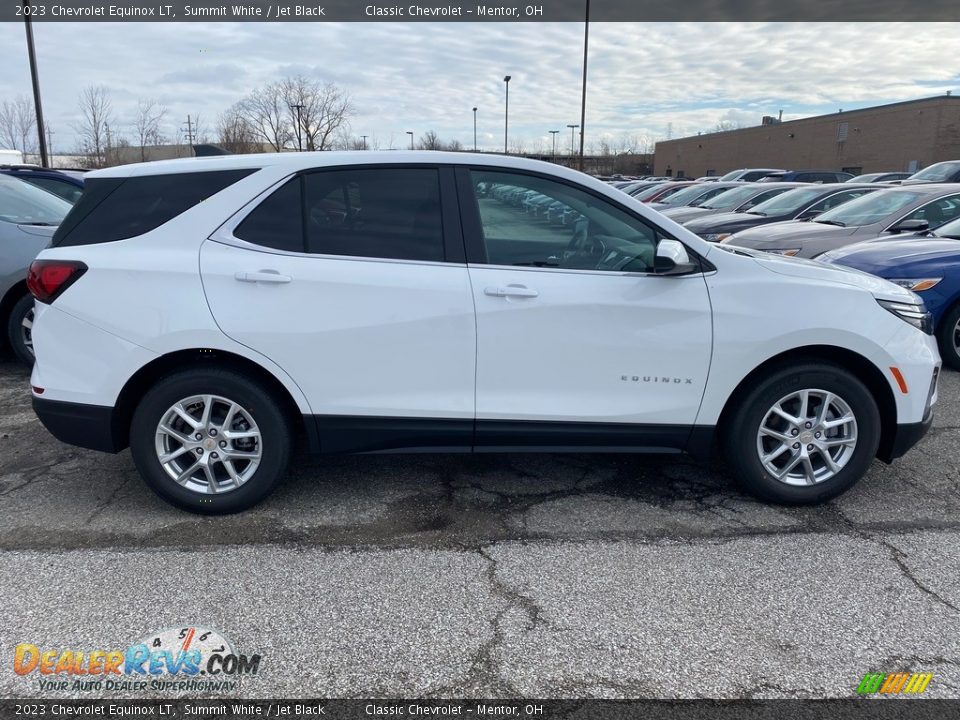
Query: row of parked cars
(905, 229)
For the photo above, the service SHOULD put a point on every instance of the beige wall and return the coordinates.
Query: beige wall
(882, 138)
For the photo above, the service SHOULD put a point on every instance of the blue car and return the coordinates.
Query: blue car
(927, 263)
(65, 184)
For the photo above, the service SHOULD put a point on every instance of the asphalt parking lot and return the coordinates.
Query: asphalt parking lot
(491, 576)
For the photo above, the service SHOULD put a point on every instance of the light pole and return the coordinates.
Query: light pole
(474, 129)
(298, 108)
(35, 80)
(572, 128)
(410, 133)
(583, 94)
(506, 114)
(554, 155)
(364, 141)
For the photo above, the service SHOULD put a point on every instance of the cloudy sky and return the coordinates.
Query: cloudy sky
(645, 80)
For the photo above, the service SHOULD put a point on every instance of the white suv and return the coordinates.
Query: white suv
(208, 312)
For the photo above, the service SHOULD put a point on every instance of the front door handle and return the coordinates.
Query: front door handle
(511, 291)
(264, 276)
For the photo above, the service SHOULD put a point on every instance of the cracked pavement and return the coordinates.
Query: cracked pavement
(493, 576)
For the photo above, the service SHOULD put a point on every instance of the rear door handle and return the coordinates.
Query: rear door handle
(264, 276)
(511, 291)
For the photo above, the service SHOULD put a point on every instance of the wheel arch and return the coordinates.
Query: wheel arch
(149, 374)
(852, 361)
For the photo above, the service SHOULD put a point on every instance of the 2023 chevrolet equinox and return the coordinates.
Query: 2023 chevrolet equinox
(209, 312)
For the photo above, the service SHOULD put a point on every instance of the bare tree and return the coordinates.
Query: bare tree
(266, 113)
(96, 115)
(430, 141)
(150, 114)
(234, 132)
(727, 125)
(318, 112)
(17, 125)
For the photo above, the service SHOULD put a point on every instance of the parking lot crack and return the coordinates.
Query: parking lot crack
(899, 558)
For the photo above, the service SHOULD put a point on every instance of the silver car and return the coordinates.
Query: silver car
(739, 198)
(28, 218)
(901, 209)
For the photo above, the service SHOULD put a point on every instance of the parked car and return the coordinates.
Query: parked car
(880, 177)
(739, 198)
(808, 176)
(28, 217)
(708, 178)
(926, 263)
(801, 203)
(940, 172)
(693, 194)
(207, 312)
(750, 174)
(658, 191)
(885, 212)
(65, 184)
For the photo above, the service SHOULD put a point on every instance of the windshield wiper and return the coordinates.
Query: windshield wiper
(831, 222)
(754, 212)
(41, 224)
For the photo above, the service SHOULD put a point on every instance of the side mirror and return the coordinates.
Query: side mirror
(910, 226)
(672, 259)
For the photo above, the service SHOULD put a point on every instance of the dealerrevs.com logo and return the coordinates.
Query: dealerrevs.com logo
(191, 659)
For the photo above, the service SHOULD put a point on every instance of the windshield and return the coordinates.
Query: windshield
(938, 172)
(686, 196)
(26, 204)
(869, 209)
(735, 197)
(788, 202)
(649, 192)
(732, 175)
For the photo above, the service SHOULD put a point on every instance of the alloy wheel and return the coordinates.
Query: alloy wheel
(807, 437)
(26, 331)
(208, 444)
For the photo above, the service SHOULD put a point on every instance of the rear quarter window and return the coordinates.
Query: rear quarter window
(119, 208)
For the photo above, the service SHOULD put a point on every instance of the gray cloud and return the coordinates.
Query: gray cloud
(643, 78)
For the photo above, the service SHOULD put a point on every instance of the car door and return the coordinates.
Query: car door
(353, 281)
(579, 342)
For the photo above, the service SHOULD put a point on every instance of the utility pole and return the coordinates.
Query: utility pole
(554, 134)
(474, 129)
(35, 80)
(506, 114)
(50, 141)
(189, 130)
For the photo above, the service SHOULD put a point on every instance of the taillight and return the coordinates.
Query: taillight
(48, 278)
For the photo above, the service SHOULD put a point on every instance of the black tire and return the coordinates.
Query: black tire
(945, 337)
(741, 428)
(15, 332)
(276, 439)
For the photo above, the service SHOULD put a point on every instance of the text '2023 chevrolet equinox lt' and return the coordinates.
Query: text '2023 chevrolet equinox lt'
(209, 312)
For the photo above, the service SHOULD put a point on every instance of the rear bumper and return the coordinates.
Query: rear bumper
(86, 426)
(905, 437)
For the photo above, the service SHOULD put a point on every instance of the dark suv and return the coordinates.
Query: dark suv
(65, 184)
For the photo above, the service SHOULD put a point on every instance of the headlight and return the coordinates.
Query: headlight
(917, 284)
(915, 314)
(788, 252)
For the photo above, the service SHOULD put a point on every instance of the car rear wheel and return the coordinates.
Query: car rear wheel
(210, 441)
(948, 337)
(20, 329)
(803, 435)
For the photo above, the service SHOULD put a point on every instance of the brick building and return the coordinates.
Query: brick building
(904, 136)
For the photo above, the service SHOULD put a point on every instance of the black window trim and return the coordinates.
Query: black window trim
(453, 246)
(476, 251)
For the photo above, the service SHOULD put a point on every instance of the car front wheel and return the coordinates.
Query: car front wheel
(210, 441)
(803, 435)
(948, 337)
